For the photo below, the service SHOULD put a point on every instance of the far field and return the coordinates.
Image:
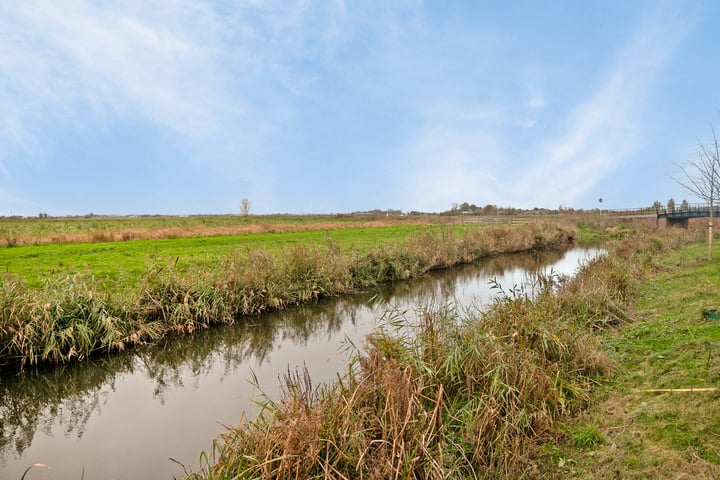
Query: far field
(118, 251)
(33, 231)
(43, 248)
(123, 262)
(64, 301)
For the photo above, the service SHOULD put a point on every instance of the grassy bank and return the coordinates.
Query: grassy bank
(451, 393)
(659, 415)
(74, 315)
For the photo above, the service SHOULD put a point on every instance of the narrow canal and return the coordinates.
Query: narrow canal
(125, 416)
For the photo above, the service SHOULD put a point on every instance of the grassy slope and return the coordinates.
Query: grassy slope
(629, 433)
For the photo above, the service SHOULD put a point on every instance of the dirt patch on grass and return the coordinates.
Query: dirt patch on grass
(636, 448)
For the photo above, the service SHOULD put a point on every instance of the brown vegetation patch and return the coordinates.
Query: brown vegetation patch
(122, 235)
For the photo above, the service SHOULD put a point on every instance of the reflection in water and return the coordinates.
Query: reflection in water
(68, 395)
(442, 285)
(40, 409)
(39, 399)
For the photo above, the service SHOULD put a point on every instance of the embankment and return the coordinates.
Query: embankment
(72, 317)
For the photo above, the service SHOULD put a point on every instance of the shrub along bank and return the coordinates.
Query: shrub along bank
(451, 394)
(73, 317)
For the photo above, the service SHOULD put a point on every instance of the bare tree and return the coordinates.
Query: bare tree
(702, 179)
(245, 207)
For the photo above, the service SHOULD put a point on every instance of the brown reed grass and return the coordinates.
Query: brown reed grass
(109, 234)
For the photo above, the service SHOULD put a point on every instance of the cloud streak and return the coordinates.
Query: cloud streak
(160, 63)
(606, 130)
(222, 78)
(594, 138)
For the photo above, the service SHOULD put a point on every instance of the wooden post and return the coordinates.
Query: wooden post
(710, 223)
(710, 239)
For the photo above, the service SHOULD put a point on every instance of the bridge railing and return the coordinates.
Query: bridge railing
(630, 211)
(700, 208)
(687, 208)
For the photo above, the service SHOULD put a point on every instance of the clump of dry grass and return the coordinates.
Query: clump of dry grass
(601, 290)
(451, 393)
(446, 248)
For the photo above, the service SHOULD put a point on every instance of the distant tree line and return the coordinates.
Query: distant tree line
(467, 208)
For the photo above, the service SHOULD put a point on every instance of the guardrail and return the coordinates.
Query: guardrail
(687, 210)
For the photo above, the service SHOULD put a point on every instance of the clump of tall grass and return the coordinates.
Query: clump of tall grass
(601, 289)
(446, 248)
(69, 319)
(455, 393)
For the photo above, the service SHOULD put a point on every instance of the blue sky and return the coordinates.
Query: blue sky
(187, 106)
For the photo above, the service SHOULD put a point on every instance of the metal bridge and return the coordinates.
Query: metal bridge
(677, 216)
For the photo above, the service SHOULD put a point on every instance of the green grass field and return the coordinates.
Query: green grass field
(119, 264)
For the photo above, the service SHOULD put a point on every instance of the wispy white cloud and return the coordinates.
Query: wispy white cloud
(164, 63)
(221, 77)
(460, 114)
(607, 129)
(594, 138)
(536, 101)
(452, 158)
(235, 86)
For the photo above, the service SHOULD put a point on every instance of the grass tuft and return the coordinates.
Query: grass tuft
(586, 437)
